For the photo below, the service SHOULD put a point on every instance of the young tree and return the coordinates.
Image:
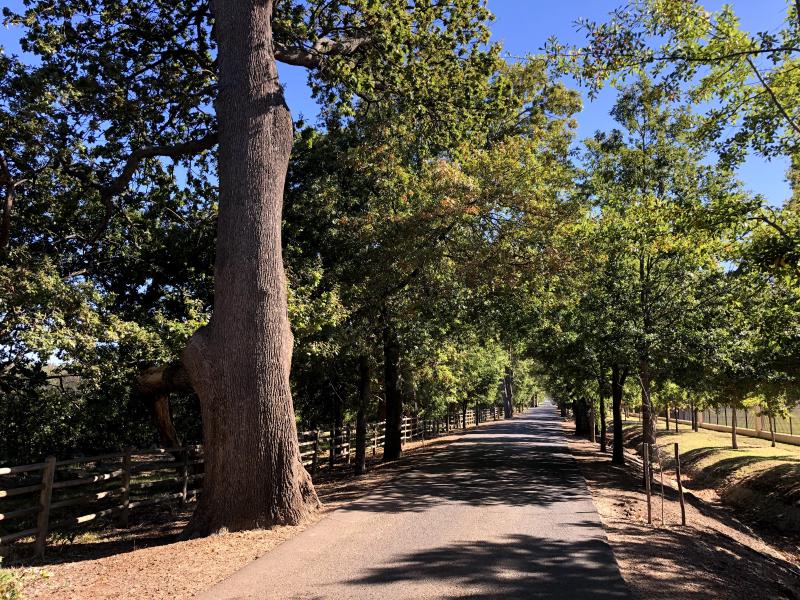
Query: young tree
(748, 83)
(748, 80)
(660, 208)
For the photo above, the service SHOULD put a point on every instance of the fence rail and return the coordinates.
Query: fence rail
(38, 499)
(749, 422)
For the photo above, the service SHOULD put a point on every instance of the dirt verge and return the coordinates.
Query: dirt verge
(761, 482)
(148, 562)
(713, 557)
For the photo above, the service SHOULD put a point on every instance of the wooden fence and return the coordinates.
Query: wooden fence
(60, 495)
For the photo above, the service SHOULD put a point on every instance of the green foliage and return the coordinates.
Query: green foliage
(441, 194)
(108, 136)
(749, 81)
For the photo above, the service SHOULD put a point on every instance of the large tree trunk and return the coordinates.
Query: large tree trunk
(617, 382)
(734, 443)
(464, 415)
(392, 441)
(508, 392)
(239, 363)
(364, 376)
(581, 414)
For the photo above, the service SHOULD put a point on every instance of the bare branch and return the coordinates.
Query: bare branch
(119, 183)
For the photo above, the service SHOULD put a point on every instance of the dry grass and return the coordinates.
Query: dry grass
(761, 482)
(713, 557)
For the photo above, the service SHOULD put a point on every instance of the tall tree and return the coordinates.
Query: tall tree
(136, 81)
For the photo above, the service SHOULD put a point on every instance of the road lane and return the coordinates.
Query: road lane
(503, 512)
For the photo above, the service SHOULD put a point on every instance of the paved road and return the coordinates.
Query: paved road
(503, 512)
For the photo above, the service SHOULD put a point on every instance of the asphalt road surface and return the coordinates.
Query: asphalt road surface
(503, 512)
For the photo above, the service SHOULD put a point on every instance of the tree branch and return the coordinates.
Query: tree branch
(315, 55)
(774, 97)
(8, 203)
(781, 231)
(153, 387)
(118, 184)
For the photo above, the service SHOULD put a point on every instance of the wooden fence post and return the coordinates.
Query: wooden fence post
(347, 437)
(647, 482)
(315, 456)
(680, 485)
(46, 494)
(332, 445)
(185, 474)
(126, 488)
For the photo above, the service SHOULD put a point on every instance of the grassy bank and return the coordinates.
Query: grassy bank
(760, 481)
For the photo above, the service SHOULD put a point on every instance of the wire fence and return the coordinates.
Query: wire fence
(746, 419)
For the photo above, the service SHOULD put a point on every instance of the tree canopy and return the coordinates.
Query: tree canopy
(437, 240)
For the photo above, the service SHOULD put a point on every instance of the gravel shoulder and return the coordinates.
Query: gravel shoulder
(714, 557)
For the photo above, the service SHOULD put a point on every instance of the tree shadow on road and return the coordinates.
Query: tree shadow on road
(517, 566)
(512, 463)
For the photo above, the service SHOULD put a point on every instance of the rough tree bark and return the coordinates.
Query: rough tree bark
(392, 441)
(734, 443)
(239, 363)
(617, 382)
(464, 415)
(364, 376)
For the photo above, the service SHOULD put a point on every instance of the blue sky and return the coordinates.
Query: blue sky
(523, 26)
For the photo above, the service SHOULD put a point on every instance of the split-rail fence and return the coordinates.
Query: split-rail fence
(58, 496)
